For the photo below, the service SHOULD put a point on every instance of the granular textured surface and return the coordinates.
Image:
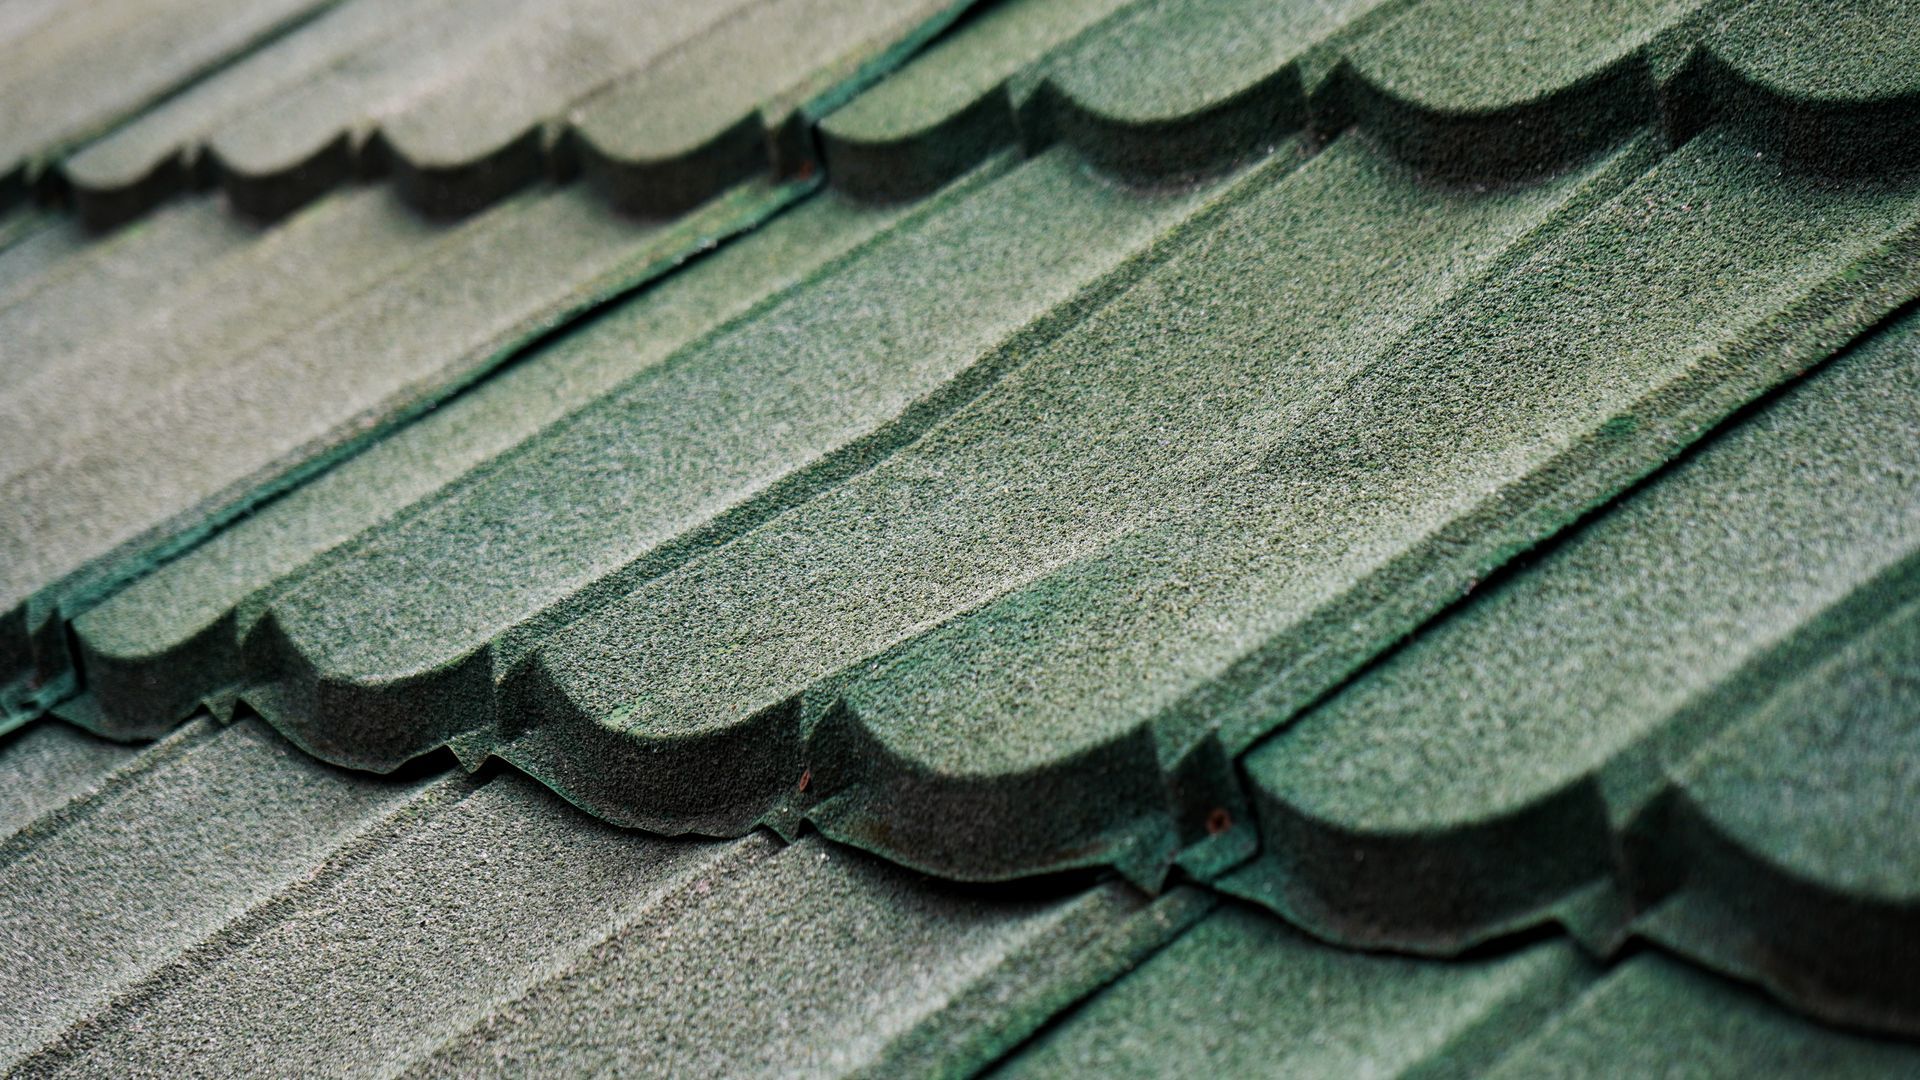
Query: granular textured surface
(1139, 537)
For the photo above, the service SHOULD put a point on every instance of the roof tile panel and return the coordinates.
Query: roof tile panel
(261, 418)
(1125, 448)
(378, 954)
(867, 969)
(1242, 995)
(484, 925)
(1483, 770)
(74, 74)
(945, 112)
(799, 536)
(1171, 88)
(155, 154)
(49, 765)
(1251, 605)
(1785, 841)
(87, 296)
(155, 650)
(1654, 1016)
(815, 386)
(788, 57)
(239, 814)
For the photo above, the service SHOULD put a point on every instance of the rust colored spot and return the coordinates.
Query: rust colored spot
(805, 779)
(1219, 821)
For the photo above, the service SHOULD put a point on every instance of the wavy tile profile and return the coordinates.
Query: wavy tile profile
(73, 73)
(487, 917)
(466, 103)
(1628, 724)
(1438, 472)
(1159, 622)
(434, 924)
(292, 346)
(848, 534)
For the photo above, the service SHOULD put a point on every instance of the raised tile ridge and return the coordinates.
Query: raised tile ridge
(34, 645)
(535, 905)
(1679, 723)
(75, 75)
(463, 107)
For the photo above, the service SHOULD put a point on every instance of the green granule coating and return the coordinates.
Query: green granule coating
(79, 305)
(287, 121)
(481, 128)
(1171, 89)
(1653, 1017)
(209, 823)
(908, 980)
(787, 61)
(1471, 437)
(950, 77)
(1855, 54)
(1164, 60)
(155, 649)
(1459, 56)
(951, 107)
(1806, 781)
(1787, 835)
(264, 406)
(47, 765)
(250, 407)
(1485, 768)
(220, 901)
(1130, 414)
(461, 906)
(238, 303)
(76, 73)
(350, 45)
(1242, 995)
(1834, 87)
(824, 379)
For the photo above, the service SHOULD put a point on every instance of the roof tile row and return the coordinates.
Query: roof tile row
(441, 923)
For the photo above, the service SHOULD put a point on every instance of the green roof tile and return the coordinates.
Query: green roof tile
(255, 405)
(89, 296)
(1242, 995)
(1484, 91)
(485, 926)
(1052, 524)
(1128, 414)
(1835, 88)
(466, 105)
(92, 905)
(1481, 778)
(1248, 605)
(359, 44)
(946, 111)
(1652, 1016)
(789, 61)
(267, 405)
(1172, 88)
(73, 74)
(155, 650)
(909, 981)
(49, 765)
(817, 385)
(1785, 844)
(383, 951)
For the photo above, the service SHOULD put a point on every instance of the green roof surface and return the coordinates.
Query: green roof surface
(1112, 536)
